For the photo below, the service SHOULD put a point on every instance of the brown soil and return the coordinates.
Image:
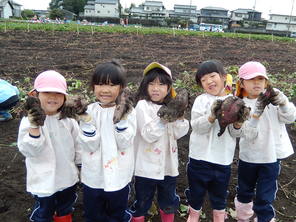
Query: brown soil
(25, 54)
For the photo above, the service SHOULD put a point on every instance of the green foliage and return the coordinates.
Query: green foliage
(187, 80)
(27, 14)
(74, 6)
(56, 13)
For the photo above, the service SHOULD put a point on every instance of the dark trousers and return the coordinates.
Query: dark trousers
(208, 177)
(145, 188)
(102, 206)
(61, 203)
(259, 180)
(9, 103)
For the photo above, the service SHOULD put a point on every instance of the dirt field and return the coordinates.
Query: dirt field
(25, 54)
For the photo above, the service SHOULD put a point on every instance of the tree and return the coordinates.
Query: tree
(27, 14)
(74, 6)
(56, 13)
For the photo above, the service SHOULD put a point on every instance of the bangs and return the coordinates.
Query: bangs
(108, 73)
(208, 67)
(163, 77)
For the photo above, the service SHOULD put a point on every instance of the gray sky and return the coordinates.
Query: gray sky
(264, 6)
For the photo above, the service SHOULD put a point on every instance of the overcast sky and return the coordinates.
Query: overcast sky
(264, 6)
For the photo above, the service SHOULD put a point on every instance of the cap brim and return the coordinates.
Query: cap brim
(51, 89)
(253, 75)
(154, 65)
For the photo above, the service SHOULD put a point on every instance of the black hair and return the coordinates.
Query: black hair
(150, 76)
(209, 67)
(108, 72)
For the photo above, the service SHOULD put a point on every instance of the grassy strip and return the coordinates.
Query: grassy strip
(6, 25)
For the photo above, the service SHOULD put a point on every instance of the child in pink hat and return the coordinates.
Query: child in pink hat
(264, 142)
(51, 149)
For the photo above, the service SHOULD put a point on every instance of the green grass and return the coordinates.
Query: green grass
(6, 25)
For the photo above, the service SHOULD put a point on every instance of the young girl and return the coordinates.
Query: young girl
(108, 153)
(210, 156)
(156, 146)
(51, 151)
(264, 142)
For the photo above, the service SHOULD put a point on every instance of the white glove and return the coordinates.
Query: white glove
(86, 125)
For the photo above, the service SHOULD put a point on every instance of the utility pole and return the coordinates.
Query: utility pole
(290, 17)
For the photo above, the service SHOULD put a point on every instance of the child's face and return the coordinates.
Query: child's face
(157, 91)
(51, 102)
(213, 83)
(254, 86)
(107, 93)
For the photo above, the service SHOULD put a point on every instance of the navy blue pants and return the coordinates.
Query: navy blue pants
(258, 180)
(61, 203)
(102, 206)
(145, 188)
(208, 177)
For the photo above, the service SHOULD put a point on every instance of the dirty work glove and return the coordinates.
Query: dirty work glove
(214, 108)
(124, 105)
(243, 116)
(35, 113)
(74, 107)
(261, 103)
(279, 99)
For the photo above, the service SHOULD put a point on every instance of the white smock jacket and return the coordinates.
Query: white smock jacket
(108, 154)
(204, 142)
(156, 143)
(266, 140)
(51, 158)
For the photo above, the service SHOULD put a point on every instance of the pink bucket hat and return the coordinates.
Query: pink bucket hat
(50, 81)
(251, 70)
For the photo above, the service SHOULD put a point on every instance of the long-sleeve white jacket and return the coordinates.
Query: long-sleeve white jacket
(108, 154)
(51, 158)
(204, 143)
(266, 140)
(156, 142)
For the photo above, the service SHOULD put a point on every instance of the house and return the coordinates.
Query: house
(102, 8)
(214, 15)
(278, 23)
(149, 10)
(241, 14)
(184, 12)
(9, 8)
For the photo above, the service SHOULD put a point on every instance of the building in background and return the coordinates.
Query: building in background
(149, 10)
(102, 8)
(184, 12)
(284, 24)
(214, 15)
(9, 8)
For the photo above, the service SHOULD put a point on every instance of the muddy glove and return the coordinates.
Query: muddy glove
(124, 105)
(279, 99)
(35, 113)
(214, 108)
(261, 103)
(75, 107)
(175, 108)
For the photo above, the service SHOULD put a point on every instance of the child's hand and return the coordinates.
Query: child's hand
(214, 108)
(279, 99)
(34, 111)
(124, 106)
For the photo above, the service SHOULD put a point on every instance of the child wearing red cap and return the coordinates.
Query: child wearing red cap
(51, 149)
(156, 146)
(264, 142)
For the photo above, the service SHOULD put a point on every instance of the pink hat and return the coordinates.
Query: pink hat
(50, 81)
(251, 70)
